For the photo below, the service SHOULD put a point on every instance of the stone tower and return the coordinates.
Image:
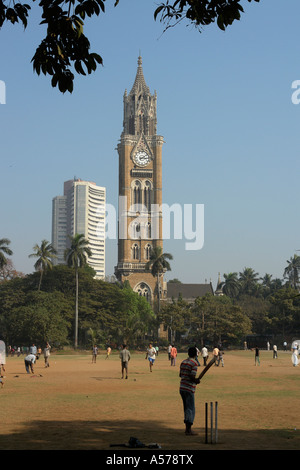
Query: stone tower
(140, 187)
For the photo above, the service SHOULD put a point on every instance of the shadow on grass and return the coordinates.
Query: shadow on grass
(100, 435)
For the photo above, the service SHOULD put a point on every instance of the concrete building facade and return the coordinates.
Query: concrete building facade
(81, 210)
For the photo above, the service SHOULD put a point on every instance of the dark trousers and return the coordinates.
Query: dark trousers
(28, 365)
(188, 399)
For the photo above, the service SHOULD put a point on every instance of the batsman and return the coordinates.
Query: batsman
(188, 382)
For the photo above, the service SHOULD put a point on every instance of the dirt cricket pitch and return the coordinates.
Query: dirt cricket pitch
(77, 405)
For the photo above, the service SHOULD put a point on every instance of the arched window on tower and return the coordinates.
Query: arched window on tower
(148, 195)
(143, 290)
(147, 251)
(137, 193)
(131, 125)
(134, 230)
(141, 124)
(135, 252)
(148, 230)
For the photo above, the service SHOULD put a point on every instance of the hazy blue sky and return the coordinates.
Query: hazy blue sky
(224, 108)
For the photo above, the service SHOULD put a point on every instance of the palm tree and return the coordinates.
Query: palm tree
(248, 280)
(76, 256)
(4, 250)
(158, 264)
(276, 284)
(45, 255)
(267, 280)
(231, 285)
(291, 272)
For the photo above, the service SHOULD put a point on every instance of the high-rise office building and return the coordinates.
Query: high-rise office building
(81, 210)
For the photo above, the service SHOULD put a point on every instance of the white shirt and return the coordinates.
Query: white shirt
(204, 352)
(151, 352)
(30, 358)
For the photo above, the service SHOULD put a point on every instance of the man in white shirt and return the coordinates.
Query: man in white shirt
(29, 361)
(204, 354)
(151, 355)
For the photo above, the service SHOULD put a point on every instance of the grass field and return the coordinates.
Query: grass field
(75, 404)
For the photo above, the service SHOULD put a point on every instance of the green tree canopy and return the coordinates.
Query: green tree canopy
(45, 255)
(175, 317)
(76, 256)
(112, 310)
(285, 314)
(158, 264)
(43, 318)
(4, 250)
(218, 320)
(248, 281)
(292, 270)
(231, 285)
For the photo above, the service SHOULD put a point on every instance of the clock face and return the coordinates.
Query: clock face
(141, 158)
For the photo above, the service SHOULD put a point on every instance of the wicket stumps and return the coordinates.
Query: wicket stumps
(213, 439)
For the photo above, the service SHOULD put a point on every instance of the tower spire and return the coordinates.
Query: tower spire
(139, 83)
(139, 107)
(219, 289)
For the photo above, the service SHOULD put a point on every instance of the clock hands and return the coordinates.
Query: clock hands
(142, 158)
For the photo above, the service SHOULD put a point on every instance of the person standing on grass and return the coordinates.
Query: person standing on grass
(257, 360)
(151, 355)
(125, 358)
(188, 382)
(216, 355)
(108, 351)
(47, 354)
(94, 354)
(33, 349)
(173, 355)
(204, 354)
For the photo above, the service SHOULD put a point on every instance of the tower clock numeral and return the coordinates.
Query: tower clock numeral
(141, 158)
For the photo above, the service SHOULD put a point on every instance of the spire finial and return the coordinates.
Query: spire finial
(139, 83)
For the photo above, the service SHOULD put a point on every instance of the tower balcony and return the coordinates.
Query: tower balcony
(130, 267)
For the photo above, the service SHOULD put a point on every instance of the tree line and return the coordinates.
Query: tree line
(243, 304)
(108, 313)
(40, 306)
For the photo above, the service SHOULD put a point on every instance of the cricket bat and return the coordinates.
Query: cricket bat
(211, 362)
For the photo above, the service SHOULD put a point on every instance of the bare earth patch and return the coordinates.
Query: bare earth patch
(77, 405)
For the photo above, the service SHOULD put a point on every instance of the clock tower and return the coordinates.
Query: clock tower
(140, 188)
